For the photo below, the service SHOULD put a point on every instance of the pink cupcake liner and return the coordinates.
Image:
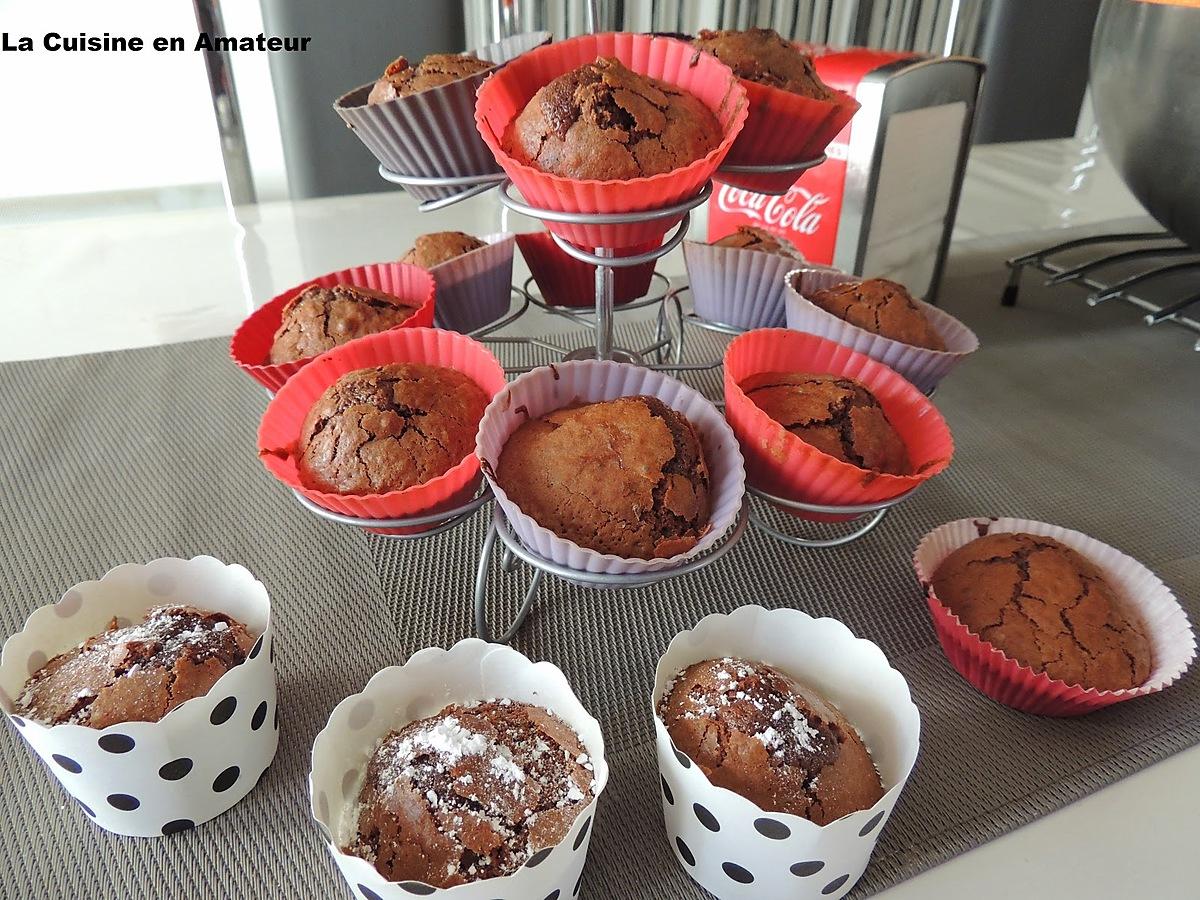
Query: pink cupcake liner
(923, 367)
(252, 341)
(432, 134)
(783, 127)
(503, 97)
(564, 280)
(779, 462)
(738, 287)
(999, 676)
(284, 416)
(589, 381)
(475, 289)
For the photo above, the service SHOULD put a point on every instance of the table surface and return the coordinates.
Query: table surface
(137, 280)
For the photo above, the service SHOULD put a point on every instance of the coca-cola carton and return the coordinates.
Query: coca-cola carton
(883, 203)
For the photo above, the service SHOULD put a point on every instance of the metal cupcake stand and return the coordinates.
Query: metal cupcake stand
(502, 550)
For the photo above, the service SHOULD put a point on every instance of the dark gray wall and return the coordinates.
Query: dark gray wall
(1037, 59)
(351, 44)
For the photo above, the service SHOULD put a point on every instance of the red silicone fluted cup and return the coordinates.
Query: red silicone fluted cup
(566, 281)
(780, 463)
(252, 341)
(503, 96)
(281, 423)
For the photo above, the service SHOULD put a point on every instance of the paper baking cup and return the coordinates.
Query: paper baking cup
(148, 779)
(432, 134)
(282, 421)
(564, 280)
(729, 845)
(1006, 681)
(782, 464)
(590, 381)
(503, 97)
(251, 343)
(738, 287)
(432, 679)
(783, 127)
(924, 368)
(475, 289)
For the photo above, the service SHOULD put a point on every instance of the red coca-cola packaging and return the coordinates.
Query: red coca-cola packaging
(883, 203)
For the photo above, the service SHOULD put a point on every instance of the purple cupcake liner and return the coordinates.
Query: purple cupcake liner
(733, 286)
(474, 289)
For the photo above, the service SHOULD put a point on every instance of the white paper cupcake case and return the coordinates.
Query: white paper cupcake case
(432, 679)
(924, 368)
(589, 381)
(1173, 642)
(474, 289)
(153, 778)
(432, 134)
(738, 287)
(726, 843)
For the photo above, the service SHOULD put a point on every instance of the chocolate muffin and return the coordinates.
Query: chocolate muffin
(400, 79)
(389, 428)
(319, 319)
(624, 476)
(137, 673)
(838, 416)
(431, 250)
(761, 55)
(747, 237)
(605, 122)
(880, 307)
(470, 793)
(755, 731)
(1048, 607)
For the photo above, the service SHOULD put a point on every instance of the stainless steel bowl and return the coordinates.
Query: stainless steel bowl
(1146, 89)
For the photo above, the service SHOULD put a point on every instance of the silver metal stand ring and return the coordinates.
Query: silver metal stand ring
(442, 521)
(622, 262)
(874, 513)
(773, 169)
(625, 218)
(578, 312)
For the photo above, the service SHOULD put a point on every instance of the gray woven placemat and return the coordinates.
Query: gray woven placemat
(1077, 416)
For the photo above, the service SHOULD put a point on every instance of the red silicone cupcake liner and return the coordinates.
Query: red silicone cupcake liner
(281, 423)
(999, 676)
(566, 281)
(251, 343)
(503, 96)
(780, 463)
(783, 127)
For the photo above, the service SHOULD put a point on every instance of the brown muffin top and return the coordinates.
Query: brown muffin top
(838, 416)
(602, 121)
(880, 307)
(748, 237)
(400, 79)
(470, 793)
(430, 250)
(137, 673)
(1048, 607)
(389, 428)
(761, 55)
(755, 731)
(319, 319)
(625, 476)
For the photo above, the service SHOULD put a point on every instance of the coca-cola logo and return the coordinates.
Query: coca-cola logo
(798, 210)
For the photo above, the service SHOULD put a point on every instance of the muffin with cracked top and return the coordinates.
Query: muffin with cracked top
(763, 56)
(625, 476)
(1048, 607)
(389, 428)
(469, 794)
(837, 415)
(433, 249)
(749, 237)
(881, 307)
(402, 79)
(753, 730)
(602, 121)
(318, 319)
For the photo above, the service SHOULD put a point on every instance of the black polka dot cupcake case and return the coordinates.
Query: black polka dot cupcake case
(725, 842)
(153, 778)
(468, 673)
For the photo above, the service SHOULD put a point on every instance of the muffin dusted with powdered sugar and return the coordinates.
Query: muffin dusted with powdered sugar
(470, 793)
(753, 730)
